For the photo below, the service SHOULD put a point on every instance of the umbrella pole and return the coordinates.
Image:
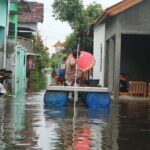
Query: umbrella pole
(76, 65)
(75, 91)
(75, 98)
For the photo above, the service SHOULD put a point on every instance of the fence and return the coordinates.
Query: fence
(149, 90)
(138, 88)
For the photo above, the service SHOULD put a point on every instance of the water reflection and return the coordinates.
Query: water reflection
(55, 112)
(25, 124)
(12, 116)
(134, 131)
(88, 127)
(54, 124)
(2, 143)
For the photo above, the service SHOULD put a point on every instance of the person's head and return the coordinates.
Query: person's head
(123, 74)
(75, 53)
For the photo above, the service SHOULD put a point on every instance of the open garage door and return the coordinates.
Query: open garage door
(135, 56)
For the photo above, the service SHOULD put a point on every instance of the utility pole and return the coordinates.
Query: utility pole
(6, 34)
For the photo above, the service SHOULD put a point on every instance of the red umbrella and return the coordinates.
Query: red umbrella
(85, 61)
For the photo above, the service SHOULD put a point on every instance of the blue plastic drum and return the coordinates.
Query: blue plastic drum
(55, 98)
(97, 100)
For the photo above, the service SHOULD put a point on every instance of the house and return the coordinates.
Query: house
(8, 36)
(58, 46)
(30, 14)
(15, 50)
(121, 43)
(3, 30)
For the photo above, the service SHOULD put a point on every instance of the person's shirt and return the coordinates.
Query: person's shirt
(62, 69)
(71, 68)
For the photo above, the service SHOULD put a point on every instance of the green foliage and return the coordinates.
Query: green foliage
(70, 11)
(9, 94)
(80, 20)
(54, 61)
(42, 61)
(39, 81)
(73, 12)
(71, 42)
(88, 43)
(92, 12)
(42, 51)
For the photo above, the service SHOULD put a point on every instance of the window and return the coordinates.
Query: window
(11, 32)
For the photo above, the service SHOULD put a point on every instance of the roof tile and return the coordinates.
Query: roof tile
(31, 12)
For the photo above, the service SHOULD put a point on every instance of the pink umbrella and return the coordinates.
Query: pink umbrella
(85, 61)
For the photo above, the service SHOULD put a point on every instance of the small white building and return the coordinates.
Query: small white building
(58, 46)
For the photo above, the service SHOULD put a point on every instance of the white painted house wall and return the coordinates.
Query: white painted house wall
(99, 53)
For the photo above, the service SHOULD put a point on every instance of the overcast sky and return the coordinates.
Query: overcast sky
(52, 30)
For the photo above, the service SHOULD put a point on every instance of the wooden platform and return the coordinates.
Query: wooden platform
(77, 89)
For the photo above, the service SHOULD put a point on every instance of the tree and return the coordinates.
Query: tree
(37, 76)
(92, 12)
(54, 61)
(73, 12)
(40, 49)
(71, 42)
(80, 20)
(70, 11)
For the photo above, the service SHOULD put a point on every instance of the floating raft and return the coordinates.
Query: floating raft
(92, 96)
(78, 89)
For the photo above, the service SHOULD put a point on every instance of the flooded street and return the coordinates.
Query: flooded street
(25, 124)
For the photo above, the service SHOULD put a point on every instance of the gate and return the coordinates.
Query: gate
(20, 77)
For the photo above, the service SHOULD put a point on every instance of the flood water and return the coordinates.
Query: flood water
(25, 124)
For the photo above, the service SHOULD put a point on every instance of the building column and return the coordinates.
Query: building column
(117, 65)
(111, 63)
(106, 65)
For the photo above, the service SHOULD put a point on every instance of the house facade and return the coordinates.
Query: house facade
(12, 42)
(8, 33)
(3, 29)
(8, 39)
(31, 13)
(127, 35)
(14, 51)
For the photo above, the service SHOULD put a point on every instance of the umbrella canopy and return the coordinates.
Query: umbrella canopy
(85, 61)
